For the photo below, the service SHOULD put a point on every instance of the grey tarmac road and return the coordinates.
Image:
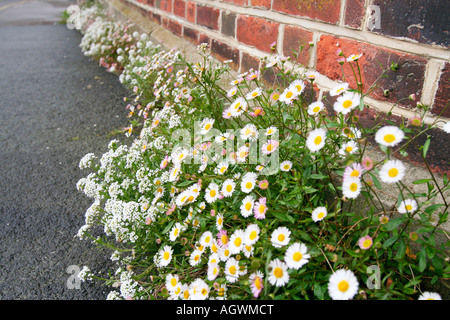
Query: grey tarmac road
(56, 105)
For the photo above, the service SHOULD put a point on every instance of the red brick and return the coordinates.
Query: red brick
(249, 62)
(203, 38)
(261, 3)
(224, 52)
(150, 3)
(257, 32)
(441, 100)
(354, 13)
(294, 38)
(190, 34)
(191, 8)
(165, 5)
(325, 10)
(406, 80)
(179, 8)
(175, 27)
(208, 17)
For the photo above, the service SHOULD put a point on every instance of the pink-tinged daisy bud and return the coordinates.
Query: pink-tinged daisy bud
(367, 163)
(341, 61)
(263, 184)
(412, 97)
(213, 213)
(273, 46)
(415, 121)
(148, 221)
(339, 52)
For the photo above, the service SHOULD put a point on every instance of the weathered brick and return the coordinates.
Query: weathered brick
(203, 38)
(294, 39)
(190, 34)
(224, 52)
(441, 100)
(179, 8)
(228, 27)
(175, 27)
(406, 80)
(208, 17)
(256, 32)
(165, 5)
(424, 21)
(249, 62)
(150, 3)
(191, 8)
(354, 13)
(324, 10)
(261, 3)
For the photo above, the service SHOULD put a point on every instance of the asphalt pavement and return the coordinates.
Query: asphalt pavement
(56, 105)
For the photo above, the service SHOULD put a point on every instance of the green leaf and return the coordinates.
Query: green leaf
(393, 224)
(421, 181)
(319, 291)
(283, 216)
(401, 250)
(389, 242)
(433, 208)
(422, 260)
(376, 182)
(426, 146)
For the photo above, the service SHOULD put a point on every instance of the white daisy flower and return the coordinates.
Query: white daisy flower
(165, 256)
(342, 285)
(213, 271)
(179, 154)
(339, 89)
(430, 296)
(270, 131)
(252, 234)
(248, 250)
(219, 221)
(238, 107)
(175, 231)
(319, 213)
(224, 253)
(248, 182)
(172, 280)
(200, 290)
(206, 125)
(286, 165)
(351, 188)
(232, 270)
(298, 86)
(389, 136)
(278, 275)
(408, 205)
(315, 107)
(249, 132)
(296, 255)
(236, 242)
(253, 94)
(350, 147)
(280, 237)
(232, 92)
(222, 167)
(206, 239)
(212, 192)
(195, 257)
(347, 102)
(228, 187)
(288, 95)
(247, 206)
(269, 147)
(242, 154)
(316, 139)
(392, 171)
(353, 171)
(354, 57)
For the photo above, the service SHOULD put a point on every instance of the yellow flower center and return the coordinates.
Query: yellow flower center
(316, 109)
(343, 286)
(232, 270)
(353, 187)
(186, 294)
(212, 193)
(298, 87)
(258, 283)
(262, 208)
(207, 239)
(173, 282)
(254, 94)
(166, 256)
(408, 207)
(389, 138)
(208, 126)
(318, 140)
(269, 147)
(355, 173)
(320, 215)
(347, 104)
(237, 242)
(366, 243)
(253, 235)
(349, 149)
(175, 232)
(275, 96)
(229, 188)
(297, 256)
(224, 239)
(393, 172)
(248, 185)
(248, 206)
(278, 272)
(281, 237)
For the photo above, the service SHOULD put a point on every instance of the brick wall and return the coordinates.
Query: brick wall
(410, 33)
